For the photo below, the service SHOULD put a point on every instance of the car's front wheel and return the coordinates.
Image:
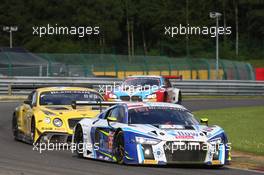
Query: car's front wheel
(78, 140)
(119, 147)
(32, 130)
(15, 127)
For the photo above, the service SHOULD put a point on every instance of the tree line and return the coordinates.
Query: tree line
(136, 27)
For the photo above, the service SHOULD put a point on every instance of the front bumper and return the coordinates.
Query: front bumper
(54, 134)
(160, 155)
(55, 137)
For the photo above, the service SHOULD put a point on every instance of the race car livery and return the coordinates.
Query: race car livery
(151, 133)
(146, 89)
(48, 116)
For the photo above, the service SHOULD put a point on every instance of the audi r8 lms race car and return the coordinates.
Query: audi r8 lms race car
(48, 116)
(146, 89)
(151, 133)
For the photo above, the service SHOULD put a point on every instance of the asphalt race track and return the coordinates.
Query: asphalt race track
(19, 158)
(197, 104)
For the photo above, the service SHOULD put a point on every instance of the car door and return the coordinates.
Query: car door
(104, 131)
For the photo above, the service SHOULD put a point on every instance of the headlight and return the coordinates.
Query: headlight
(57, 122)
(111, 95)
(151, 96)
(143, 140)
(48, 112)
(47, 120)
(216, 141)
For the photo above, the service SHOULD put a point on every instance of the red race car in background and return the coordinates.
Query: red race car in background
(145, 88)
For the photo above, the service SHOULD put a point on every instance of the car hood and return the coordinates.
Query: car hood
(135, 92)
(68, 112)
(176, 132)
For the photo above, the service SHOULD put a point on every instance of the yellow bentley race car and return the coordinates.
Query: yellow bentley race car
(48, 116)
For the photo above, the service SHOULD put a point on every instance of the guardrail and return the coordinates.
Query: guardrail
(23, 85)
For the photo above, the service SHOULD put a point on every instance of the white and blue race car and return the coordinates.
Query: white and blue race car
(150, 133)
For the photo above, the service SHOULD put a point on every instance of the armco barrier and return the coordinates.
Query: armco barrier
(23, 85)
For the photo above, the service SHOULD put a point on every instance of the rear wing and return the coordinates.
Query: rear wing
(100, 104)
(173, 77)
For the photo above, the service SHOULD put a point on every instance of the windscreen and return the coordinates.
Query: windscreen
(161, 116)
(142, 82)
(67, 97)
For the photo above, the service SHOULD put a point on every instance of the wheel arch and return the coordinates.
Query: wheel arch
(78, 125)
(117, 131)
(36, 131)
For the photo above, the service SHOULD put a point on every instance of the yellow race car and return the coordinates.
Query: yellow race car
(48, 115)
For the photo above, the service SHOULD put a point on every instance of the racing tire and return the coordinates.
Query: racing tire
(119, 148)
(216, 166)
(15, 127)
(180, 98)
(78, 140)
(32, 130)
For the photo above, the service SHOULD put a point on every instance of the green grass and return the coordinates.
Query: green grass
(193, 97)
(256, 63)
(244, 126)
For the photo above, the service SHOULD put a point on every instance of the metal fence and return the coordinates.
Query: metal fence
(79, 65)
(23, 85)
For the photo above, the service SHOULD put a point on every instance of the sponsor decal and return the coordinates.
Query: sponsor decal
(158, 152)
(147, 161)
(209, 129)
(186, 133)
(216, 162)
(59, 129)
(184, 137)
(47, 128)
(171, 127)
(110, 140)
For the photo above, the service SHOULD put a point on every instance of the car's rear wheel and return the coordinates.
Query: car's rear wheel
(180, 98)
(78, 140)
(15, 127)
(119, 147)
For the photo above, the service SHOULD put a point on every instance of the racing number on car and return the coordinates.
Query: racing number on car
(110, 140)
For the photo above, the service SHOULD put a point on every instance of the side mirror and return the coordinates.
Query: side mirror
(111, 119)
(28, 102)
(204, 121)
